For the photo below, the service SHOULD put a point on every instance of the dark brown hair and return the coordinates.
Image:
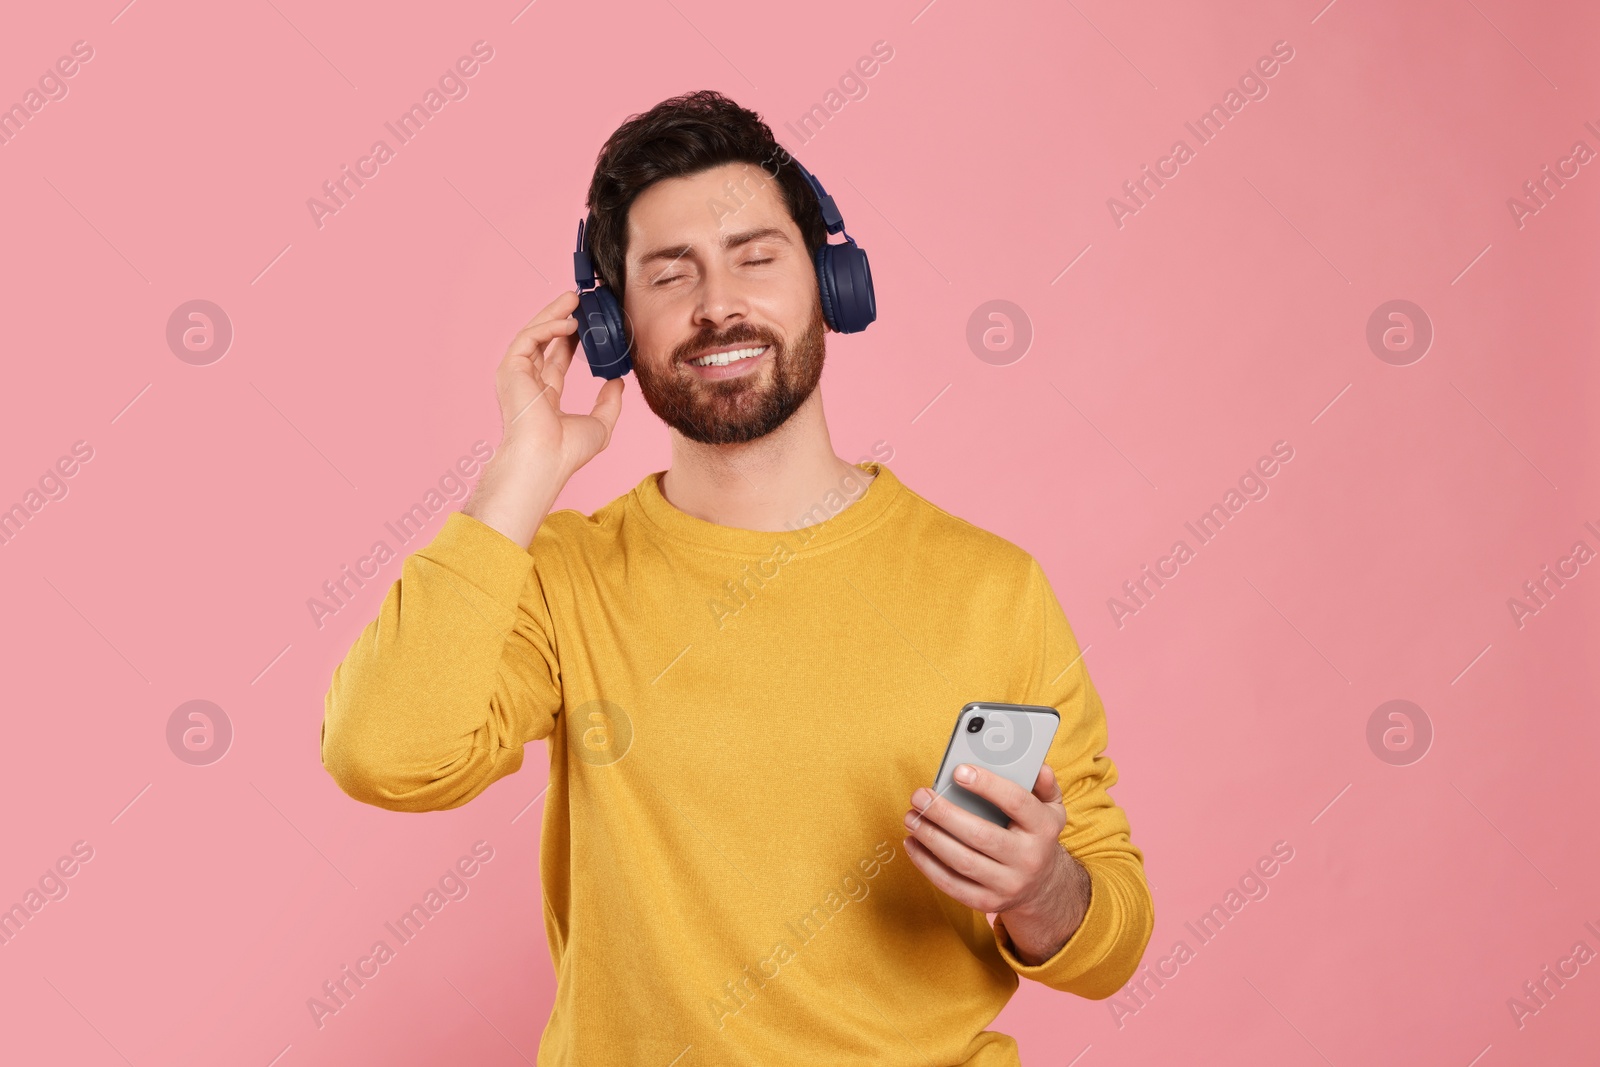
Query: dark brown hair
(680, 136)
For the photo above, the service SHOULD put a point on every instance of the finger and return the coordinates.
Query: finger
(550, 365)
(1008, 796)
(561, 305)
(533, 364)
(532, 339)
(559, 310)
(951, 884)
(1046, 788)
(973, 831)
(608, 406)
(963, 859)
(558, 355)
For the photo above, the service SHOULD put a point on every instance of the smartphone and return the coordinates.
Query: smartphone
(1008, 739)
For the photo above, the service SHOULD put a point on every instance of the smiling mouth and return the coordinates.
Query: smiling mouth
(722, 359)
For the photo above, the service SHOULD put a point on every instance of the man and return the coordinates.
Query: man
(746, 670)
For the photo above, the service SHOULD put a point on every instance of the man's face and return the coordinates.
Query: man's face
(716, 263)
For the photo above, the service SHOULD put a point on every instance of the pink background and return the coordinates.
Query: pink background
(1229, 313)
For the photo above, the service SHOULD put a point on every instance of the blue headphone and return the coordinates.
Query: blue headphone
(843, 278)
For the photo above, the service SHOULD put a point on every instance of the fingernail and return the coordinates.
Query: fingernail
(965, 773)
(921, 799)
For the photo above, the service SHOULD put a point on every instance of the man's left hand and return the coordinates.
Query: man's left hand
(1020, 872)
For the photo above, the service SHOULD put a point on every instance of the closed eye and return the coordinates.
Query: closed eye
(675, 277)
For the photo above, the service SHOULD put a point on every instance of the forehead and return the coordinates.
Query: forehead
(697, 209)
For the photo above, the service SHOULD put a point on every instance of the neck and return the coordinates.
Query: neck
(766, 484)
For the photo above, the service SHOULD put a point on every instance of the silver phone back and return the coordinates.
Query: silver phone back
(1012, 743)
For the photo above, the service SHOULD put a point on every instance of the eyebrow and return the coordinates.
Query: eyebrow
(729, 240)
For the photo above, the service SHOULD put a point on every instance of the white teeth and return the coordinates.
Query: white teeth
(721, 359)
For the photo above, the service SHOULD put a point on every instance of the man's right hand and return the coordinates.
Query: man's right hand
(541, 446)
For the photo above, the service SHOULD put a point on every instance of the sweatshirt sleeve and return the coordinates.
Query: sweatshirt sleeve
(439, 693)
(1105, 950)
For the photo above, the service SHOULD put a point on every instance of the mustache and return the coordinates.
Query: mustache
(742, 333)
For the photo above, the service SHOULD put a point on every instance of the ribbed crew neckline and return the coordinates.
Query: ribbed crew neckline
(881, 495)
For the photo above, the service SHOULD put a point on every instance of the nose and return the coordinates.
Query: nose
(721, 300)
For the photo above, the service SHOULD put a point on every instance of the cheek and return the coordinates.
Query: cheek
(648, 326)
(787, 302)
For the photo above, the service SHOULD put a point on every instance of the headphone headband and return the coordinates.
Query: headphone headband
(582, 262)
(830, 212)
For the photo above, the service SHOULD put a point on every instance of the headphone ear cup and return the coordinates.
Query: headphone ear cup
(825, 285)
(603, 329)
(845, 279)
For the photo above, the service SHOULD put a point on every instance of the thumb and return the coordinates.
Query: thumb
(608, 405)
(1045, 786)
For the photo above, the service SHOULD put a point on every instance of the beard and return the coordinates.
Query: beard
(734, 410)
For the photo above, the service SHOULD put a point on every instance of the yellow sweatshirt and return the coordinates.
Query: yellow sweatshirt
(736, 721)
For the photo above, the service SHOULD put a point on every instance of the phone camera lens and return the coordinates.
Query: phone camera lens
(974, 724)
